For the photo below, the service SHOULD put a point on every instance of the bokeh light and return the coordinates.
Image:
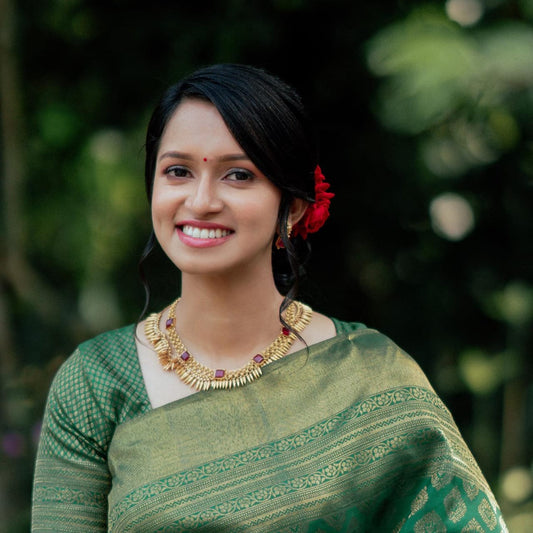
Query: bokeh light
(451, 216)
(481, 372)
(107, 146)
(517, 484)
(464, 12)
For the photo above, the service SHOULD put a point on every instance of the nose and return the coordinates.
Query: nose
(203, 198)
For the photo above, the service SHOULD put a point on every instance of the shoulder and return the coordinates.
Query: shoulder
(322, 328)
(109, 345)
(390, 382)
(343, 327)
(379, 359)
(103, 354)
(103, 373)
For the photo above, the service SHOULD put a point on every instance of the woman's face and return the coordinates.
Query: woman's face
(213, 211)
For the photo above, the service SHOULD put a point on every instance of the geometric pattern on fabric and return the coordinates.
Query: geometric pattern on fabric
(353, 439)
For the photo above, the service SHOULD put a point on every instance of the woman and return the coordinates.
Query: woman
(238, 408)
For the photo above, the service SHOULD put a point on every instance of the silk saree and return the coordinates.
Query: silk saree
(346, 436)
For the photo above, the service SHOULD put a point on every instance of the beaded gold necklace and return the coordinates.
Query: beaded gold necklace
(173, 355)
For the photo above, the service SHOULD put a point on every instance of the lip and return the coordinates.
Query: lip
(194, 242)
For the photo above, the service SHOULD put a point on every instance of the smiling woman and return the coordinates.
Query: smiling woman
(205, 182)
(237, 407)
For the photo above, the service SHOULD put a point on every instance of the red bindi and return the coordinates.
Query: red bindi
(205, 158)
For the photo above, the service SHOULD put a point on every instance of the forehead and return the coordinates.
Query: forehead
(195, 124)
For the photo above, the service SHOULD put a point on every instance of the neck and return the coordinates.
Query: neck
(225, 321)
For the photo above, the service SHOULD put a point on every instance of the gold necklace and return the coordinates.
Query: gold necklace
(173, 355)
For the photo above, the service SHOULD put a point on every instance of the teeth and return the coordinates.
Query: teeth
(204, 233)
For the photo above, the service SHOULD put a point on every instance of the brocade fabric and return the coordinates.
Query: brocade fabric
(346, 436)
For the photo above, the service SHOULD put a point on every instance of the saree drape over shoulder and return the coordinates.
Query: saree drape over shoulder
(347, 436)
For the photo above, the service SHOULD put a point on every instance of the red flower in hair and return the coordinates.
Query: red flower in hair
(318, 212)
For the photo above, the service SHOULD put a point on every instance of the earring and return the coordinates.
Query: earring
(279, 241)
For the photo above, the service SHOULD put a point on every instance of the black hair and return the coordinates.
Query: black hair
(267, 119)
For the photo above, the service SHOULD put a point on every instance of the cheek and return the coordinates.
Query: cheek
(162, 202)
(156, 208)
(162, 215)
(263, 216)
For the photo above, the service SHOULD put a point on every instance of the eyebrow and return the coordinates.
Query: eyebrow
(222, 158)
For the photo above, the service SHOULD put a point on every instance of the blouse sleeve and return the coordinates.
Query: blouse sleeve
(72, 480)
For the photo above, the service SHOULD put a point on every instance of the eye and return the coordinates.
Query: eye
(177, 172)
(239, 174)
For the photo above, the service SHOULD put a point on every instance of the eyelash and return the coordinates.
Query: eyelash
(246, 173)
(171, 171)
(174, 169)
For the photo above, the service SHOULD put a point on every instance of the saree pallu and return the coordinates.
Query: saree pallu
(348, 436)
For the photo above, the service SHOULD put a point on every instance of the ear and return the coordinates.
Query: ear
(297, 210)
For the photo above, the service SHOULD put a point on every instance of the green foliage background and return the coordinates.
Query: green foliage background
(413, 104)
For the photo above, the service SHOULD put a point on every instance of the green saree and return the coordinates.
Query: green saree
(348, 436)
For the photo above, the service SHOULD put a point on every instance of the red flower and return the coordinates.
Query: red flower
(318, 212)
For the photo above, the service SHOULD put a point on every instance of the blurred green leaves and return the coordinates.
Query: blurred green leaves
(430, 68)
(458, 82)
(465, 89)
(58, 125)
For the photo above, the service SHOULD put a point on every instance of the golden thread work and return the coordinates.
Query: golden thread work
(174, 356)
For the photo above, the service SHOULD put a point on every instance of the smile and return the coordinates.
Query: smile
(204, 233)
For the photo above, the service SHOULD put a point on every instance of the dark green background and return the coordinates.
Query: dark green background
(409, 105)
